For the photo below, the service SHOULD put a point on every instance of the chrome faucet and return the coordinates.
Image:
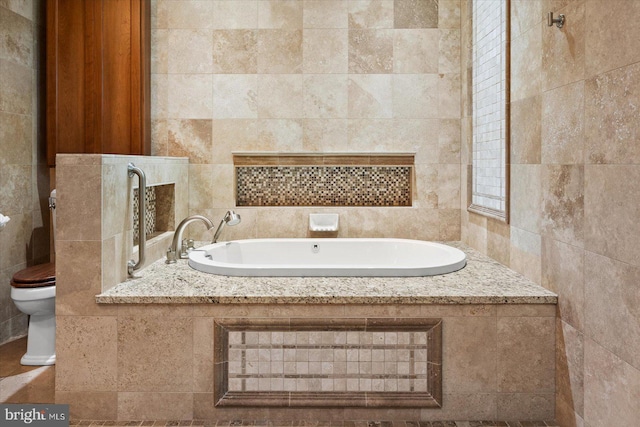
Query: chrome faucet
(176, 250)
(230, 218)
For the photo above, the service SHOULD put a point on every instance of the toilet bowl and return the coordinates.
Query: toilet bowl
(33, 291)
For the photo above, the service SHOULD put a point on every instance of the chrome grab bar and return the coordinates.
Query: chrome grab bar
(142, 239)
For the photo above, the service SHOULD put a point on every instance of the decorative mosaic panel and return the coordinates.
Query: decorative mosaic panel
(323, 185)
(371, 363)
(150, 212)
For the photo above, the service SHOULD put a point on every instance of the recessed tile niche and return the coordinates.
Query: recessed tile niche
(371, 362)
(159, 210)
(323, 179)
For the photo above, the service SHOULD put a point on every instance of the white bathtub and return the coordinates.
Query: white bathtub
(327, 257)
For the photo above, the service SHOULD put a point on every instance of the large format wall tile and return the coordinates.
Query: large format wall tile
(569, 367)
(612, 302)
(563, 128)
(611, 388)
(611, 116)
(610, 206)
(526, 130)
(563, 203)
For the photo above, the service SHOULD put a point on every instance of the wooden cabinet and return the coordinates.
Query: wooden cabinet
(98, 79)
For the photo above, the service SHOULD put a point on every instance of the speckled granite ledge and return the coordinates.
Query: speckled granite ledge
(482, 281)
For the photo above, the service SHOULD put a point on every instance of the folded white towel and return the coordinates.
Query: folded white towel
(3, 221)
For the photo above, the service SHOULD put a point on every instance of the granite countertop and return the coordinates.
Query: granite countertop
(482, 281)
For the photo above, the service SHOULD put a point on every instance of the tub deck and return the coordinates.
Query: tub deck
(482, 281)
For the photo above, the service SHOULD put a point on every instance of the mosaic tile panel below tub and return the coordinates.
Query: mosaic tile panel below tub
(323, 186)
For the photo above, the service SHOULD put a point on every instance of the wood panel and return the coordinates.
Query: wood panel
(98, 80)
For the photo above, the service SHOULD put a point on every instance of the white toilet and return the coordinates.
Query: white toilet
(33, 291)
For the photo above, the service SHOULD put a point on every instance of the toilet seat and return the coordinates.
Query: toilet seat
(36, 276)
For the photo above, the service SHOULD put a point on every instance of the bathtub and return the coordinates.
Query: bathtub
(304, 257)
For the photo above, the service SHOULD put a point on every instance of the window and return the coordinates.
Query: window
(490, 113)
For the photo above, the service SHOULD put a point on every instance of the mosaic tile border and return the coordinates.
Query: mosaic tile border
(323, 180)
(227, 345)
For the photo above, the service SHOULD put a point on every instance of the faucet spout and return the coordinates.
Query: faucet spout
(176, 252)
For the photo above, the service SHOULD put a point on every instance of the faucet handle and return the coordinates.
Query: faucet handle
(171, 256)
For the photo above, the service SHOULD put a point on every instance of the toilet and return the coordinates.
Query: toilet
(33, 291)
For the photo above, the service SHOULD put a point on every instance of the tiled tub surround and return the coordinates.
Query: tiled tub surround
(327, 179)
(311, 76)
(150, 354)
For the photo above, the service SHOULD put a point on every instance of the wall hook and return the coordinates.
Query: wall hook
(558, 21)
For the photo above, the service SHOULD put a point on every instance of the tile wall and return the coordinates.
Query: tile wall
(24, 177)
(575, 194)
(311, 76)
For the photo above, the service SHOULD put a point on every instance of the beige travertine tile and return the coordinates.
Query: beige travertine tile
(190, 138)
(16, 140)
(526, 64)
(155, 405)
(449, 141)
(280, 96)
(279, 51)
(95, 404)
(200, 177)
(611, 300)
(185, 13)
(449, 104)
(526, 197)
(476, 231)
(18, 42)
(235, 96)
(325, 51)
(449, 12)
(77, 283)
(150, 310)
(421, 224)
(159, 96)
(325, 134)
(325, 14)
(232, 135)
(563, 128)
(235, 51)
(286, 223)
(498, 241)
(280, 135)
(419, 136)
(611, 194)
(189, 51)
(570, 366)
(417, 96)
(449, 220)
(563, 273)
(203, 354)
(530, 342)
(365, 223)
(463, 406)
(448, 186)
(16, 188)
(159, 136)
(530, 406)
(86, 353)
(525, 14)
(325, 96)
(525, 254)
(370, 51)
(371, 14)
(370, 134)
(609, 47)
(79, 198)
(526, 130)
(611, 101)
(449, 58)
(190, 96)
(231, 310)
(15, 88)
(415, 14)
(280, 14)
(526, 310)
(370, 96)
(118, 217)
(235, 14)
(563, 203)
(566, 415)
(416, 51)
(469, 349)
(425, 187)
(155, 354)
(563, 54)
(611, 388)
